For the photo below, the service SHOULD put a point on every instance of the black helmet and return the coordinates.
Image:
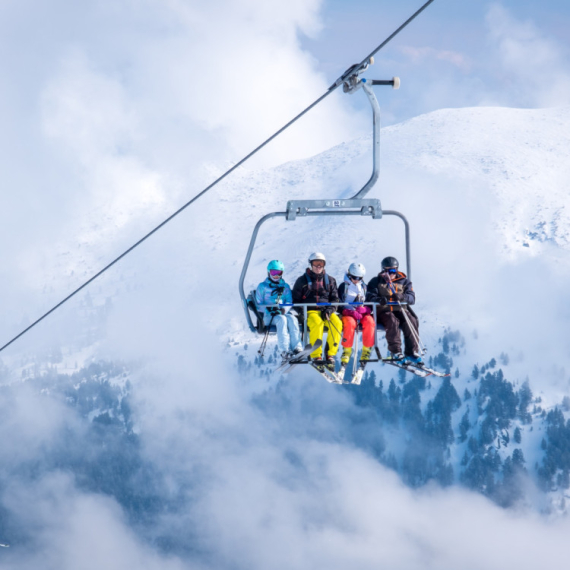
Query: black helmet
(389, 262)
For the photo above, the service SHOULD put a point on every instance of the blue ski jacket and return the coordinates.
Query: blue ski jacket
(268, 293)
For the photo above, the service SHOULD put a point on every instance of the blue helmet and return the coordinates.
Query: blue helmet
(276, 265)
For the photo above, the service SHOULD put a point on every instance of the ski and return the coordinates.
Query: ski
(423, 372)
(357, 378)
(288, 365)
(326, 373)
(431, 371)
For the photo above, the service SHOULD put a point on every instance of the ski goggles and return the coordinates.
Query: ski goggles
(275, 273)
(392, 270)
(355, 278)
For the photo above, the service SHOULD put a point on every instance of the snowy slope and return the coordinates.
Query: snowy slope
(482, 188)
(522, 154)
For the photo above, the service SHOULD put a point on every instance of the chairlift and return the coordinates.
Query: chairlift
(357, 205)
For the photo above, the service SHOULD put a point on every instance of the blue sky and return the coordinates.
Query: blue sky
(459, 49)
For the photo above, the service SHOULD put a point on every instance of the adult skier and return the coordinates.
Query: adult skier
(390, 288)
(316, 286)
(353, 290)
(275, 291)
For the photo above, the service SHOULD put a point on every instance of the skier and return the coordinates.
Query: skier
(316, 286)
(353, 290)
(275, 291)
(392, 286)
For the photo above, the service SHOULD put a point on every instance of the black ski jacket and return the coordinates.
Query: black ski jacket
(313, 288)
(379, 287)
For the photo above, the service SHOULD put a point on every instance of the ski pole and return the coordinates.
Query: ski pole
(333, 325)
(355, 349)
(261, 350)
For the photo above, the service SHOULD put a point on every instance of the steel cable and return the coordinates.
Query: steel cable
(352, 70)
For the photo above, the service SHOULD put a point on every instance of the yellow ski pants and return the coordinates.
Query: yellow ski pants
(317, 325)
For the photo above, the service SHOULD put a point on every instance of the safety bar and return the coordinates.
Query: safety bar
(305, 307)
(370, 303)
(327, 213)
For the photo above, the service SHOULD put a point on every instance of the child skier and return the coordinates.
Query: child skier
(275, 291)
(353, 290)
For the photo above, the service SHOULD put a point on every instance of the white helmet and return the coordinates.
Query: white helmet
(357, 270)
(317, 257)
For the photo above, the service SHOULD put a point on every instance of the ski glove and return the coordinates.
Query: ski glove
(326, 313)
(383, 300)
(274, 311)
(352, 313)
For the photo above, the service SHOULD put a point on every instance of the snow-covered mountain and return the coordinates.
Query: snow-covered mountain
(156, 365)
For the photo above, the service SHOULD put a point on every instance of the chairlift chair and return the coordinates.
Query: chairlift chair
(358, 205)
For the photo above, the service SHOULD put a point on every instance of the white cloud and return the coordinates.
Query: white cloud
(75, 530)
(129, 109)
(425, 54)
(531, 69)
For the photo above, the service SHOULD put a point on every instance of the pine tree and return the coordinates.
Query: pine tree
(464, 426)
(517, 435)
(475, 372)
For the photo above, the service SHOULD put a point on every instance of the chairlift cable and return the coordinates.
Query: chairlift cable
(355, 68)
(351, 71)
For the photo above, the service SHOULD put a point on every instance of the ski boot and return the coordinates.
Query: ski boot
(414, 359)
(395, 356)
(317, 362)
(366, 352)
(330, 363)
(285, 357)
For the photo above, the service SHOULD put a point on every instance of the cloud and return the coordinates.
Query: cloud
(282, 488)
(425, 54)
(124, 114)
(71, 529)
(530, 68)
